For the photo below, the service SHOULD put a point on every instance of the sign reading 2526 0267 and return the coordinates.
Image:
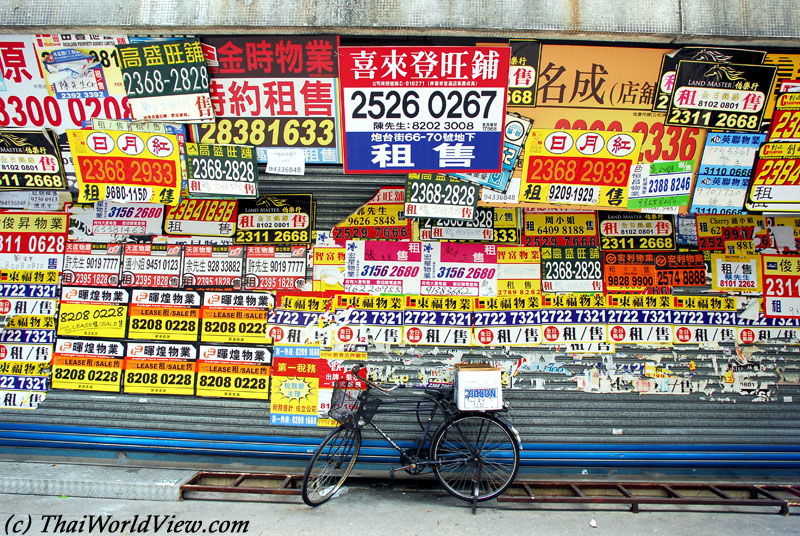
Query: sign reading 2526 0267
(412, 109)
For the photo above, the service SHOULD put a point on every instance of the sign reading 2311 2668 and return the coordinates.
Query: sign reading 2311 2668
(412, 109)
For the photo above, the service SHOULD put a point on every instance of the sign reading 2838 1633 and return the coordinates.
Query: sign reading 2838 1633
(411, 109)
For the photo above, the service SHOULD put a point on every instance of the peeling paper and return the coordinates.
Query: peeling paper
(784, 238)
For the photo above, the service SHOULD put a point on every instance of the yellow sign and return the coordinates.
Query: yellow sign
(158, 376)
(80, 319)
(163, 322)
(605, 77)
(736, 273)
(87, 373)
(788, 69)
(233, 380)
(294, 395)
(234, 325)
(126, 167)
(576, 167)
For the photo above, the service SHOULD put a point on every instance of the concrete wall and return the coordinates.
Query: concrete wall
(773, 22)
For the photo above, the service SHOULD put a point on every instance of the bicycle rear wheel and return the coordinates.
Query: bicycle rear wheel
(330, 465)
(475, 454)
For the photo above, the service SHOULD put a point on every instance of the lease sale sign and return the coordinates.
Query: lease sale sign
(411, 109)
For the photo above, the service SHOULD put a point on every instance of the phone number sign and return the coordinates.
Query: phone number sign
(126, 166)
(411, 109)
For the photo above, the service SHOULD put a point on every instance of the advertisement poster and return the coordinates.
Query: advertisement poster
(272, 91)
(382, 267)
(382, 218)
(172, 315)
(80, 66)
(30, 160)
(440, 196)
(275, 268)
(166, 81)
(423, 109)
(160, 368)
(33, 240)
(275, 219)
(235, 317)
(437, 320)
(105, 221)
(151, 265)
(452, 269)
(579, 168)
(221, 171)
(92, 312)
(127, 167)
(728, 96)
(234, 371)
(202, 217)
(724, 173)
(91, 265)
(94, 365)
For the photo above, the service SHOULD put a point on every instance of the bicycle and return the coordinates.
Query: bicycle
(474, 455)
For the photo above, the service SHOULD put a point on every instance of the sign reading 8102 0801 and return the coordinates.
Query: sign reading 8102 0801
(418, 109)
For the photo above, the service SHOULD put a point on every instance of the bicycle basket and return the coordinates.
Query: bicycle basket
(348, 405)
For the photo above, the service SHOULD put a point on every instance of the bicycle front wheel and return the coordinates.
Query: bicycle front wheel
(330, 465)
(475, 455)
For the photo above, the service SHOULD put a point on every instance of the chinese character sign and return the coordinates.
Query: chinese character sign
(126, 167)
(579, 167)
(409, 109)
(274, 91)
(727, 96)
(166, 81)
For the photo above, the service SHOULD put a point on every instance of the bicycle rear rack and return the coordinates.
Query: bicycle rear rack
(637, 493)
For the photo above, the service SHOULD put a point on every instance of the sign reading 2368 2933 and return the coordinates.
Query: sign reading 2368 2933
(410, 109)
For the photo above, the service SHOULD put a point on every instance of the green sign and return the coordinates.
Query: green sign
(163, 68)
(433, 195)
(221, 171)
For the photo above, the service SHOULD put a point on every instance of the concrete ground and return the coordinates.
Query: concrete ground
(373, 510)
(39, 499)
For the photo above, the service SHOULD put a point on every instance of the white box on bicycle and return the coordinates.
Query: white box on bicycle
(478, 387)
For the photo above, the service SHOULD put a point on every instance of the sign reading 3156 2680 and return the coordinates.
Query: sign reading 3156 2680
(127, 167)
(414, 109)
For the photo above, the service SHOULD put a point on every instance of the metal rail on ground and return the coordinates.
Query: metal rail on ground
(638, 493)
(531, 492)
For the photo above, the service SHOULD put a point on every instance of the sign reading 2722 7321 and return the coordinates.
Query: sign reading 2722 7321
(412, 109)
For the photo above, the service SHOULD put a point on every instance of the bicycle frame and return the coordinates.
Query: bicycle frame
(412, 404)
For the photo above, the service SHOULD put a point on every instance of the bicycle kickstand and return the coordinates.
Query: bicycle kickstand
(475, 489)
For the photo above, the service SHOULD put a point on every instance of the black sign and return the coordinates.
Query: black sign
(221, 170)
(433, 195)
(729, 96)
(30, 160)
(669, 64)
(275, 219)
(523, 73)
(629, 231)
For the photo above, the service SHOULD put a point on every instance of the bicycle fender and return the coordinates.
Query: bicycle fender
(511, 427)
